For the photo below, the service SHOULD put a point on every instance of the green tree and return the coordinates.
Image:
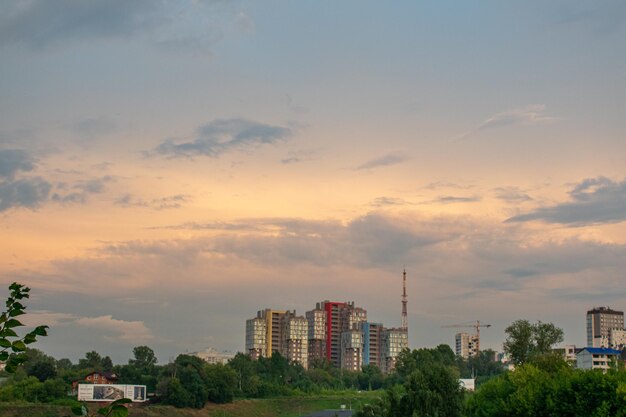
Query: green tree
(527, 340)
(144, 359)
(221, 383)
(12, 346)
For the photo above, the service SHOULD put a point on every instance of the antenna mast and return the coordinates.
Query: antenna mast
(405, 322)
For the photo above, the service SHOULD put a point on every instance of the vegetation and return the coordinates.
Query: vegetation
(424, 384)
(525, 340)
(12, 346)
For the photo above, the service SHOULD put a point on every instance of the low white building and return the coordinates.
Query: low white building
(597, 358)
(212, 356)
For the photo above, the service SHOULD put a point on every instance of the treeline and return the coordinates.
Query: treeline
(191, 382)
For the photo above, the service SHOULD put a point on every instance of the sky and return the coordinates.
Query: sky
(169, 168)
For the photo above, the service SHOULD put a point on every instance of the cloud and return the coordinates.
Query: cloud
(385, 160)
(299, 156)
(124, 331)
(82, 190)
(388, 201)
(13, 161)
(449, 199)
(511, 194)
(593, 201)
(224, 135)
(162, 203)
(27, 192)
(533, 114)
(39, 23)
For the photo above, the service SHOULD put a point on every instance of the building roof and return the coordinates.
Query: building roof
(605, 310)
(601, 351)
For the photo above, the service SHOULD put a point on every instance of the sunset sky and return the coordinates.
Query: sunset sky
(168, 168)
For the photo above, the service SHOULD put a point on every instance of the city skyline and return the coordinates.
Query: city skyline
(168, 168)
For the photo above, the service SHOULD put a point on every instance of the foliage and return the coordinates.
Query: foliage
(430, 388)
(527, 340)
(13, 347)
(116, 409)
(530, 391)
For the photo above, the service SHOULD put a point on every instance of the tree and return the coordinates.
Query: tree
(13, 347)
(145, 360)
(526, 340)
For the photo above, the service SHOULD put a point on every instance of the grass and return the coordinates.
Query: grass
(270, 407)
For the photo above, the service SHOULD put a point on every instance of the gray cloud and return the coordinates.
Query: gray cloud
(385, 160)
(594, 200)
(26, 192)
(528, 115)
(39, 23)
(224, 135)
(161, 203)
(13, 161)
(388, 201)
(511, 194)
(81, 190)
(450, 199)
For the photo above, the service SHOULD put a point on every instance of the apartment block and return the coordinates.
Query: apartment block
(372, 343)
(316, 334)
(394, 341)
(600, 322)
(351, 350)
(597, 358)
(278, 331)
(466, 345)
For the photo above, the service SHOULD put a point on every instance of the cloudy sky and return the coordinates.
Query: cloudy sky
(168, 168)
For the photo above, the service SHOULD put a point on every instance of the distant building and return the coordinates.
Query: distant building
(336, 318)
(617, 339)
(372, 343)
(212, 356)
(600, 322)
(394, 341)
(278, 331)
(597, 358)
(295, 346)
(466, 345)
(468, 384)
(351, 350)
(317, 334)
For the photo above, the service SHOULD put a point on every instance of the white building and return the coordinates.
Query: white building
(597, 358)
(212, 356)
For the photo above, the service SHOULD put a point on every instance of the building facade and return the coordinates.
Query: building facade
(600, 322)
(278, 331)
(466, 345)
(394, 341)
(213, 357)
(597, 358)
(372, 344)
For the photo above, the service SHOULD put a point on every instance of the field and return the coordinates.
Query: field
(273, 407)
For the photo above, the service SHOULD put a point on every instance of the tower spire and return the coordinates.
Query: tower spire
(405, 322)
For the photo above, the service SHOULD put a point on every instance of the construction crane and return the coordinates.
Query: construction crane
(477, 325)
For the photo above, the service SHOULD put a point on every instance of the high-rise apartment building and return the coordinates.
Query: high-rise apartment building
(256, 333)
(336, 317)
(278, 331)
(372, 343)
(316, 334)
(600, 322)
(295, 338)
(394, 341)
(351, 350)
(466, 345)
